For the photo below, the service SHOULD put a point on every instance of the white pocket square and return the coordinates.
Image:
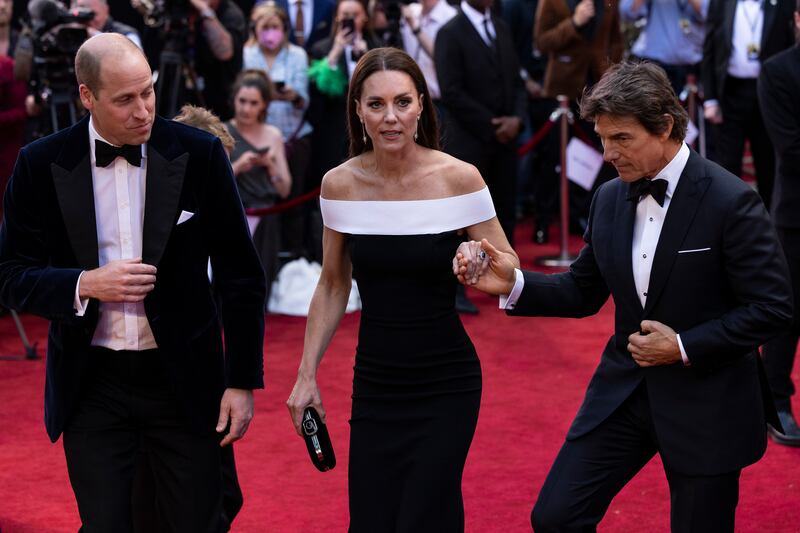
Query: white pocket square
(185, 215)
(694, 250)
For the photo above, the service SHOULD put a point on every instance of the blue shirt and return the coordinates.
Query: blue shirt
(663, 39)
(290, 67)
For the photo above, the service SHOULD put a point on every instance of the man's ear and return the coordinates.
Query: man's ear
(87, 98)
(668, 130)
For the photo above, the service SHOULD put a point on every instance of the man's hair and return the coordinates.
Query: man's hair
(88, 64)
(202, 118)
(637, 89)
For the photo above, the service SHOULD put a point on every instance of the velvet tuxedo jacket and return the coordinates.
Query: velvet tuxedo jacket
(477, 84)
(49, 236)
(719, 279)
(777, 35)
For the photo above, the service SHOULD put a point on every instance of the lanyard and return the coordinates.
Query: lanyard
(750, 22)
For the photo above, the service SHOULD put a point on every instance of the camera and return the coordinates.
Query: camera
(46, 60)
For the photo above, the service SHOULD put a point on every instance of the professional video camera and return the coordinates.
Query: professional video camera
(45, 58)
(176, 78)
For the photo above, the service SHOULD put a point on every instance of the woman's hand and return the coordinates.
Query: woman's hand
(498, 279)
(472, 258)
(246, 161)
(304, 394)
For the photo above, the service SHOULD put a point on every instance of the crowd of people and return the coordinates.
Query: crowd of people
(414, 149)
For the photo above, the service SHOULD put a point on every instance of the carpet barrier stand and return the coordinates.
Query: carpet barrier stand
(30, 349)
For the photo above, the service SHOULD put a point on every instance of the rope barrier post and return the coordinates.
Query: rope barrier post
(30, 349)
(563, 259)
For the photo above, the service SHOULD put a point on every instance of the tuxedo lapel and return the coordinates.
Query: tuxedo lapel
(72, 179)
(682, 209)
(163, 191)
(624, 218)
(166, 169)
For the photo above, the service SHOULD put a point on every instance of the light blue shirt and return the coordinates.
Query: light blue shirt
(290, 67)
(663, 39)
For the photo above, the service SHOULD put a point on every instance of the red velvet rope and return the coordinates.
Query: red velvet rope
(282, 206)
(536, 139)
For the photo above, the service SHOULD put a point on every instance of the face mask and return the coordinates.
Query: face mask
(271, 39)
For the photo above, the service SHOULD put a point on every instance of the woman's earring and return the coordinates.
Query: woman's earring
(416, 130)
(363, 133)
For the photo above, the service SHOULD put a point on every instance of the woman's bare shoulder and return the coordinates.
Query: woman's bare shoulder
(461, 177)
(339, 183)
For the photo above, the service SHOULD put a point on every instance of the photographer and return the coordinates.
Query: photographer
(421, 22)
(103, 22)
(208, 36)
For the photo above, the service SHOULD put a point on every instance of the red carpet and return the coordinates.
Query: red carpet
(535, 372)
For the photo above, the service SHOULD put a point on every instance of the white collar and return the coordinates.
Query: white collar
(672, 172)
(95, 135)
(474, 16)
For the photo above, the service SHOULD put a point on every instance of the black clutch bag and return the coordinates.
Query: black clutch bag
(318, 441)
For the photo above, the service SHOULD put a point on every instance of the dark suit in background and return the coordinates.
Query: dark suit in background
(737, 97)
(322, 20)
(724, 299)
(49, 236)
(479, 83)
(778, 90)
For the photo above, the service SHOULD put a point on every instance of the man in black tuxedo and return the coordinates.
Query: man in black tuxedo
(740, 36)
(699, 281)
(109, 226)
(485, 99)
(778, 87)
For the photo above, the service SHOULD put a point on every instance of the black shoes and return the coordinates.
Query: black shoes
(463, 304)
(791, 433)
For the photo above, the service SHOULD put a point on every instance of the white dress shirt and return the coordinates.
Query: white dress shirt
(646, 231)
(477, 19)
(429, 24)
(308, 14)
(119, 193)
(748, 25)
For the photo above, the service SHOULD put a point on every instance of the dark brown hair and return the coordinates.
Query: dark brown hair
(637, 89)
(379, 60)
(259, 80)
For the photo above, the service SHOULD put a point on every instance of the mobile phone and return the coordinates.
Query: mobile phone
(279, 85)
(261, 151)
(349, 24)
(318, 441)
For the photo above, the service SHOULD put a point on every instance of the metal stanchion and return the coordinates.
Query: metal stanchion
(690, 95)
(563, 259)
(30, 349)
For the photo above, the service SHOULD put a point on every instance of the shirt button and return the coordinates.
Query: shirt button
(644, 255)
(645, 293)
(651, 219)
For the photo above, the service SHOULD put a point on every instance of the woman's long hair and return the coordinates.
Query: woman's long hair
(383, 59)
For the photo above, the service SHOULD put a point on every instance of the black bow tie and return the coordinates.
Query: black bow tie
(644, 186)
(105, 154)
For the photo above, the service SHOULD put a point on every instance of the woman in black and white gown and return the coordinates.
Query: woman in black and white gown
(394, 216)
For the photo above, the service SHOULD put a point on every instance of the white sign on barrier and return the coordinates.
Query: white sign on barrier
(583, 163)
(691, 133)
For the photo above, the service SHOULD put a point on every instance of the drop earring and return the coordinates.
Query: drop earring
(416, 130)
(363, 133)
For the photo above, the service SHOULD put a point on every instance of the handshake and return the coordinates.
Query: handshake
(481, 265)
